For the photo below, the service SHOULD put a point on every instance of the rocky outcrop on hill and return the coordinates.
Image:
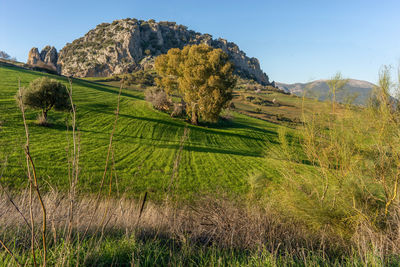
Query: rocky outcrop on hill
(129, 44)
(33, 56)
(48, 57)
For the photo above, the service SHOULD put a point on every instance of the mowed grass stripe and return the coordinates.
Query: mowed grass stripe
(216, 158)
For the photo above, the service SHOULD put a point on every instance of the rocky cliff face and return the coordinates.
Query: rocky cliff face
(33, 56)
(129, 44)
(46, 58)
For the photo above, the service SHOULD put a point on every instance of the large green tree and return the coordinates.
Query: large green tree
(202, 75)
(44, 94)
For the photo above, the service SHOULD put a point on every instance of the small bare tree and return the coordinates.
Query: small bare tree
(158, 98)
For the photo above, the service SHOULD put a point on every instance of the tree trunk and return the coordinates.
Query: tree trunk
(44, 113)
(334, 101)
(194, 119)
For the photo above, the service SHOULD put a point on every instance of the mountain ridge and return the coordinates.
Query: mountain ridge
(358, 91)
(128, 45)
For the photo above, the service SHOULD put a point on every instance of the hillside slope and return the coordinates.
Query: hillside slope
(354, 89)
(146, 143)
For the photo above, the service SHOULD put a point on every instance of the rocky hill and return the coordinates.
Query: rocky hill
(129, 44)
(355, 91)
(46, 58)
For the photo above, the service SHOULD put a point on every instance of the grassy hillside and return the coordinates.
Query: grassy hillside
(330, 200)
(146, 143)
(275, 106)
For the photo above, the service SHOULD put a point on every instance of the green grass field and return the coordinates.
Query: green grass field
(215, 158)
(318, 201)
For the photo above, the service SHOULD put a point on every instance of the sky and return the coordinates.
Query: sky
(295, 41)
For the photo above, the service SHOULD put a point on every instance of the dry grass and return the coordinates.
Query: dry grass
(209, 222)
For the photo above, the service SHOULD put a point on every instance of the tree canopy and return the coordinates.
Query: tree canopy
(202, 75)
(44, 94)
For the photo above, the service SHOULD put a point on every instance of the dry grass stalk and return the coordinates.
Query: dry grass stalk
(107, 161)
(74, 169)
(43, 207)
(18, 210)
(10, 199)
(10, 252)
(32, 184)
(209, 221)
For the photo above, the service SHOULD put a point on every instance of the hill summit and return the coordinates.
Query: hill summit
(129, 44)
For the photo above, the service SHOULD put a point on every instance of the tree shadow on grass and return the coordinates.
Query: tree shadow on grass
(99, 107)
(180, 124)
(216, 131)
(272, 136)
(216, 150)
(55, 126)
(104, 88)
(175, 145)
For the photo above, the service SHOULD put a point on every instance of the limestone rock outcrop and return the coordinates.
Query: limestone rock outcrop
(47, 58)
(127, 45)
(33, 56)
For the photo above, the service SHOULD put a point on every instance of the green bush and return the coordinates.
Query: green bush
(140, 78)
(45, 94)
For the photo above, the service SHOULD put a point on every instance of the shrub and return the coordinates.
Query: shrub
(139, 77)
(250, 98)
(44, 94)
(264, 102)
(158, 98)
(179, 109)
(118, 28)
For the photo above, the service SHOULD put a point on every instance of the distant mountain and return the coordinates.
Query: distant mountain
(128, 45)
(356, 91)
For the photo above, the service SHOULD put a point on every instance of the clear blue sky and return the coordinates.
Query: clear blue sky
(295, 41)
